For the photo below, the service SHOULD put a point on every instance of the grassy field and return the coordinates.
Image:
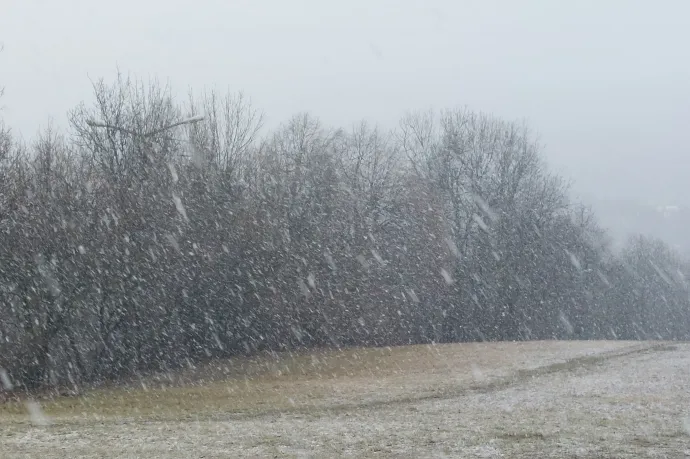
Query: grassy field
(460, 400)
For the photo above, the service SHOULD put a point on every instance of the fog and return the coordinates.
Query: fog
(366, 227)
(605, 84)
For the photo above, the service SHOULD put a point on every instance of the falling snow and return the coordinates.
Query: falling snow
(315, 258)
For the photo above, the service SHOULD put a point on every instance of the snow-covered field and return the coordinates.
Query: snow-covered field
(531, 400)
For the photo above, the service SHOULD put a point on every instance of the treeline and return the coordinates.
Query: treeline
(135, 248)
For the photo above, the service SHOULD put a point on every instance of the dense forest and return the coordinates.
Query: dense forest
(129, 246)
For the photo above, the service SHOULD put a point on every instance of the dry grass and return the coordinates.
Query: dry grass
(309, 381)
(520, 400)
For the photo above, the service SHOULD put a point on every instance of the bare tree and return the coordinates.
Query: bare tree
(418, 138)
(229, 133)
(372, 173)
(127, 123)
(120, 256)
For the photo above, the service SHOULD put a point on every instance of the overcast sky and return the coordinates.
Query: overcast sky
(605, 82)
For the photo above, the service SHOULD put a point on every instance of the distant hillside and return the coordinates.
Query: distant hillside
(623, 218)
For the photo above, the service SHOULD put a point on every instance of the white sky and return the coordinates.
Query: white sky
(605, 82)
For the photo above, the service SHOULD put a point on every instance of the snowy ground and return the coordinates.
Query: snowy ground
(527, 400)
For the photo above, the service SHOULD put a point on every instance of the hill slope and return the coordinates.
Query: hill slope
(538, 399)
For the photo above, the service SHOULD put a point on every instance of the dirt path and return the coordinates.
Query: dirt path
(630, 403)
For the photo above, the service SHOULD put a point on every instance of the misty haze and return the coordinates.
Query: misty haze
(308, 228)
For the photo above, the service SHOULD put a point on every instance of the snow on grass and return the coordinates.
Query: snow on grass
(542, 399)
(316, 379)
